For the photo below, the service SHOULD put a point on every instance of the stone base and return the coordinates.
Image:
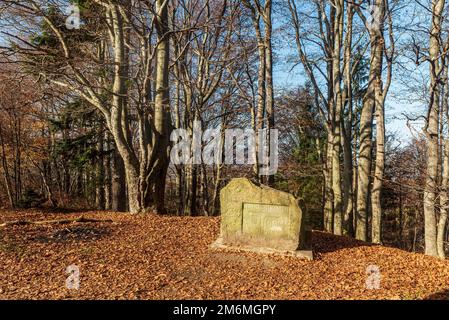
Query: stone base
(302, 254)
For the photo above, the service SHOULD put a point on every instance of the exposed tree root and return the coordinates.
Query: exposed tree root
(59, 221)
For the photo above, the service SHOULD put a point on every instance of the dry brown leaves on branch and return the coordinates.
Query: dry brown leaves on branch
(155, 257)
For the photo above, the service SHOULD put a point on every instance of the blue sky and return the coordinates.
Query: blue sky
(398, 103)
(395, 121)
(402, 98)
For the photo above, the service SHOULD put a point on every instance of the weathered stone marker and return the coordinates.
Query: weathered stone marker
(261, 219)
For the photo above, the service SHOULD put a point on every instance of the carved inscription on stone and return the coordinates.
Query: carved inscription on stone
(265, 220)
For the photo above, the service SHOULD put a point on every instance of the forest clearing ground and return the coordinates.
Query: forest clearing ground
(165, 257)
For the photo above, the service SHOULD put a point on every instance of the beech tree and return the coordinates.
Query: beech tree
(436, 60)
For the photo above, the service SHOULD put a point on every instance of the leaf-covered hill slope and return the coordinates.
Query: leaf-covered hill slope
(155, 257)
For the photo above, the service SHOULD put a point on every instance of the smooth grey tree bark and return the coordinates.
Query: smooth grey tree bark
(118, 184)
(366, 123)
(431, 130)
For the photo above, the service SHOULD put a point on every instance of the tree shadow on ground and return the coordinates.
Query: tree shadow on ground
(64, 210)
(442, 295)
(73, 233)
(323, 242)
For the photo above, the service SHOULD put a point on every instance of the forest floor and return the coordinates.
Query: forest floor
(155, 257)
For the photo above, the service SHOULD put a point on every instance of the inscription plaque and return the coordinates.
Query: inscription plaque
(265, 220)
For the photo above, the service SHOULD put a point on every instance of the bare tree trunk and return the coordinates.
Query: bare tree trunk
(17, 157)
(193, 191)
(205, 191)
(336, 116)
(159, 160)
(262, 72)
(217, 182)
(100, 173)
(108, 175)
(354, 184)
(261, 98)
(376, 228)
(192, 169)
(348, 191)
(269, 76)
(366, 123)
(441, 231)
(118, 184)
(48, 191)
(346, 129)
(444, 198)
(329, 202)
(117, 124)
(179, 169)
(6, 171)
(432, 126)
(364, 167)
(380, 96)
(219, 167)
(326, 27)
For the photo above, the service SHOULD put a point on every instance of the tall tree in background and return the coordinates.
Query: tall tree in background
(375, 28)
(337, 12)
(334, 97)
(382, 88)
(374, 104)
(432, 128)
(158, 162)
(322, 99)
(261, 16)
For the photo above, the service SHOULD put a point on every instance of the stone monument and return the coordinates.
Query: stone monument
(262, 219)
